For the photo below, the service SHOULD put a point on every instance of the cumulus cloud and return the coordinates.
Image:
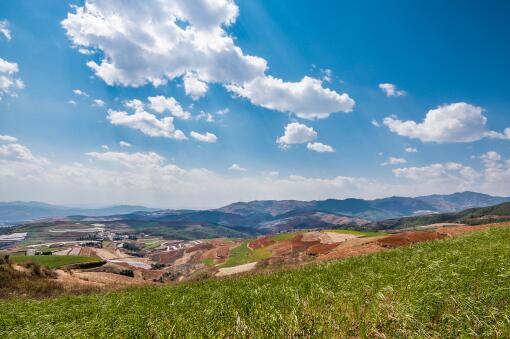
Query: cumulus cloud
(8, 138)
(98, 103)
(194, 87)
(411, 150)
(319, 147)
(9, 83)
(296, 133)
(375, 123)
(457, 122)
(4, 29)
(306, 98)
(207, 137)
(20, 152)
(237, 168)
(72, 102)
(80, 92)
(450, 171)
(156, 41)
(147, 123)
(205, 116)
(160, 104)
(394, 161)
(129, 159)
(391, 90)
(105, 147)
(124, 144)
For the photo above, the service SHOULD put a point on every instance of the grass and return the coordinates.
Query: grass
(208, 262)
(53, 261)
(283, 236)
(458, 287)
(150, 245)
(242, 254)
(363, 234)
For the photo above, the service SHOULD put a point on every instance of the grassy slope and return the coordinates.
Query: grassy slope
(54, 261)
(455, 287)
(242, 254)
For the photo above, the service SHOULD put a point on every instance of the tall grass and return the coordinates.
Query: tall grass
(457, 287)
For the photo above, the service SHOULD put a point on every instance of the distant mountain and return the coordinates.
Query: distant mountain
(462, 201)
(17, 211)
(472, 216)
(259, 214)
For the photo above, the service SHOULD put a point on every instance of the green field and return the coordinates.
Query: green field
(242, 254)
(459, 287)
(360, 233)
(53, 261)
(283, 236)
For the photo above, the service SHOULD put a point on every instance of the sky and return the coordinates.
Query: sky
(197, 104)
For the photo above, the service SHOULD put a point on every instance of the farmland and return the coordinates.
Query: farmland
(454, 287)
(54, 261)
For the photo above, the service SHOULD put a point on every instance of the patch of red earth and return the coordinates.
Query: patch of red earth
(320, 249)
(261, 242)
(200, 247)
(457, 230)
(87, 252)
(220, 252)
(167, 257)
(407, 238)
(292, 246)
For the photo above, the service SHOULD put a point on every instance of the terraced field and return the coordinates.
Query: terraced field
(54, 261)
(454, 287)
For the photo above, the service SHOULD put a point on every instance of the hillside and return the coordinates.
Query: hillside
(457, 287)
(472, 216)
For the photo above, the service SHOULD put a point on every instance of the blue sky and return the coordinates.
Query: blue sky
(374, 71)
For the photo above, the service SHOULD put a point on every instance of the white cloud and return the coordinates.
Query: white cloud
(319, 147)
(458, 122)
(327, 74)
(205, 116)
(147, 178)
(105, 147)
(124, 144)
(72, 102)
(156, 41)
(129, 159)
(394, 161)
(501, 136)
(449, 172)
(207, 137)
(98, 103)
(375, 123)
(411, 150)
(160, 104)
(306, 98)
(236, 167)
(8, 138)
(8, 81)
(391, 90)
(4, 29)
(20, 152)
(194, 87)
(296, 133)
(147, 123)
(80, 92)
(223, 111)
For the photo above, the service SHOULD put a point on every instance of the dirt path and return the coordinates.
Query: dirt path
(223, 272)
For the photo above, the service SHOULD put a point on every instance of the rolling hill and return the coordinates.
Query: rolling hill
(457, 287)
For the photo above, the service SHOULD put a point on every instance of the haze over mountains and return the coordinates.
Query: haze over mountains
(269, 213)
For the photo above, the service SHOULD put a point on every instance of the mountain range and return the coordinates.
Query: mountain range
(267, 215)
